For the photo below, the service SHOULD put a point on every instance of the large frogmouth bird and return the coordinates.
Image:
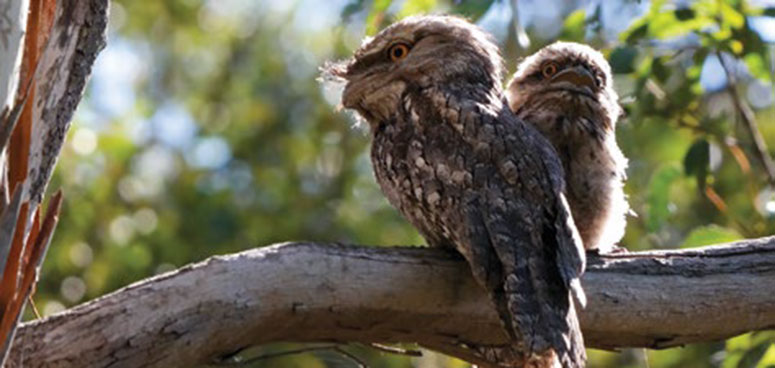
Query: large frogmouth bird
(565, 90)
(452, 157)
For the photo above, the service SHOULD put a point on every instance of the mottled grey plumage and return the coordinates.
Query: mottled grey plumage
(458, 164)
(566, 91)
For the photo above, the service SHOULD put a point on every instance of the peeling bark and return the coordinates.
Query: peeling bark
(78, 35)
(61, 41)
(13, 18)
(314, 292)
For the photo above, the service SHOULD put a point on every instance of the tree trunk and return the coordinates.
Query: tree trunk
(78, 35)
(47, 49)
(308, 292)
(13, 19)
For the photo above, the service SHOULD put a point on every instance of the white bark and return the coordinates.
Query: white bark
(13, 21)
(310, 292)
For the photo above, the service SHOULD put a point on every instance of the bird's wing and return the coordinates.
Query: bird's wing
(516, 259)
(549, 177)
(518, 223)
(570, 249)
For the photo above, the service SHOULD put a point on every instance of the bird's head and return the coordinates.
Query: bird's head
(565, 77)
(417, 53)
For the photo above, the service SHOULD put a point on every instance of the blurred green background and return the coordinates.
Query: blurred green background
(204, 132)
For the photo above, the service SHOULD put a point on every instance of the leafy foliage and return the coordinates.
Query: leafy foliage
(204, 132)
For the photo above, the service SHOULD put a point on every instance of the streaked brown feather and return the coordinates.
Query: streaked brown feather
(467, 173)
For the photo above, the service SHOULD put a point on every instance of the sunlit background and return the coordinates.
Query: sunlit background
(204, 131)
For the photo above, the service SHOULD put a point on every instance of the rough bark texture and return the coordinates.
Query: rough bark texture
(314, 292)
(63, 39)
(78, 35)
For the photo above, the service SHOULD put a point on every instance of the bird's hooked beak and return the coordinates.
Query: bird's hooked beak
(579, 76)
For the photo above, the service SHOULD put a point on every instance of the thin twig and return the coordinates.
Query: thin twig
(268, 356)
(351, 356)
(395, 350)
(772, 67)
(646, 362)
(337, 348)
(749, 119)
(34, 307)
(34, 252)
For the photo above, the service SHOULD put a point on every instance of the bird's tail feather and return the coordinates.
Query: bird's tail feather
(545, 330)
(553, 337)
(536, 294)
(532, 290)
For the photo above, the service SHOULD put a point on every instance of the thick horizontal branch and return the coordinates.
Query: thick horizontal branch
(314, 292)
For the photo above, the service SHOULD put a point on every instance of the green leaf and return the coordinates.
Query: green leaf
(622, 59)
(669, 27)
(730, 16)
(760, 337)
(472, 9)
(710, 234)
(750, 41)
(699, 56)
(684, 14)
(634, 35)
(752, 356)
(412, 7)
(660, 71)
(694, 72)
(644, 67)
(574, 27)
(756, 66)
(658, 197)
(741, 342)
(731, 359)
(697, 161)
(768, 359)
(376, 16)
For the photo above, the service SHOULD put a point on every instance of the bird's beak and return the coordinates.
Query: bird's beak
(578, 76)
(335, 75)
(335, 70)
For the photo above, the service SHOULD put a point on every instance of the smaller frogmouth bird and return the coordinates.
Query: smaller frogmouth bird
(566, 91)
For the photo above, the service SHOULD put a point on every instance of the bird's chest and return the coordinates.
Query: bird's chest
(414, 168)
(588, 163)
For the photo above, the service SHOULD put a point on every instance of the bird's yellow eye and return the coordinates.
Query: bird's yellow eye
(549, 70)
(398, 51)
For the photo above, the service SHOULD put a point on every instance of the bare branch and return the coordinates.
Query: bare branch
(749, 121)
(308, 292)
(394, 350)
(73, 33)
(269, 356)
(76, 38)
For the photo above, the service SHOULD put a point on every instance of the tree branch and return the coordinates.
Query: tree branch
(749, 120)
(62, 40)
(77, 37)
(314, 292)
